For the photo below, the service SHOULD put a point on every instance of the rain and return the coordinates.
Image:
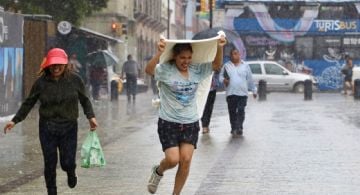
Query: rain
(290, 124)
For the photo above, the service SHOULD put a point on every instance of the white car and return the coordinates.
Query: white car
(356, 73)
(278, 78)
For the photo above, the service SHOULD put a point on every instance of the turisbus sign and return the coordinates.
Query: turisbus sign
(335, 25)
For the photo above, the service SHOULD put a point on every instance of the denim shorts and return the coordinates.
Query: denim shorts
(171, 134)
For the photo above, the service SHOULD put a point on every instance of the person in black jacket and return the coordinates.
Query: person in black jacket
(347, 71)
(59, 91)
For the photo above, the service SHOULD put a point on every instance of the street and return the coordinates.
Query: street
(290, 146)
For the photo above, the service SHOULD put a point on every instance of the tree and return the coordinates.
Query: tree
(73, 11)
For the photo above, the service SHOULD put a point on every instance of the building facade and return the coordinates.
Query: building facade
(151, 21)
(139, 24)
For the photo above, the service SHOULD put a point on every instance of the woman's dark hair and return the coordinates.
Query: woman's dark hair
(180, 47)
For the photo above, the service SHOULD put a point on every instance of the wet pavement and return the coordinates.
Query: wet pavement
(290, 146)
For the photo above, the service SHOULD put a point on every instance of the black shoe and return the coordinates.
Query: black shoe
(52, 191)
(72, 179)
(236, 133)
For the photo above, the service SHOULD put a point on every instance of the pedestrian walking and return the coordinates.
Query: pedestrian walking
(75, 64)
(131, 69)
(178, 124)
(97, 78)
(154, 88)
(59, 91)
(206, 116)
(237, 78)
(347, 71)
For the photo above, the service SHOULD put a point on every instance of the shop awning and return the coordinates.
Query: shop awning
(100, 35)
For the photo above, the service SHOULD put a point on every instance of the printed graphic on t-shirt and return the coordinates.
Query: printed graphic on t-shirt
(184, 91)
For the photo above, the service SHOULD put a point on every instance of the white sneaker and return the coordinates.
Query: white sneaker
(154, 180)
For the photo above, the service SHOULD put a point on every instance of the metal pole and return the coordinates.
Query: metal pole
(168, 22)
(356, 89)
(262, 90)
(211, 13)
(184, 5)
(308, 89)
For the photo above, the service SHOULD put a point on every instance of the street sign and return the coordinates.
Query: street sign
(64, 27)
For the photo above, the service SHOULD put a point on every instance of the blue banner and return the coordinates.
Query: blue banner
(291, 1)
(323, 27)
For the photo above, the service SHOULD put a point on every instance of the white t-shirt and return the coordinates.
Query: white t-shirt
(177, 94)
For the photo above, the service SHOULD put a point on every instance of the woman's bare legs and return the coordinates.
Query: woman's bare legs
(177, 155)
(186, 153)
(172, 156)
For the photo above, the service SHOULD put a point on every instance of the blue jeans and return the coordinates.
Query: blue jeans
(236, 108)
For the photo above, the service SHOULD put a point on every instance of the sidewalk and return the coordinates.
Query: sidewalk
(21, 158)
(290, 146)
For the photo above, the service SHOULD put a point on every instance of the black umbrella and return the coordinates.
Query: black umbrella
(102, 58)
(232, 37)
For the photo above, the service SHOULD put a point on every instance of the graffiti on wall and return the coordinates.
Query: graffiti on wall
(11, 72)
(11, 63)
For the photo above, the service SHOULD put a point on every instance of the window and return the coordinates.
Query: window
(273, 69)
(330, 12)
(328, 47)
(304, 48)
(351, 46)
(255, 68)
(353, 52)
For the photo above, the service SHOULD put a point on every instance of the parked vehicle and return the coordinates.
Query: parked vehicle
(278, 78)
(356, 73)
